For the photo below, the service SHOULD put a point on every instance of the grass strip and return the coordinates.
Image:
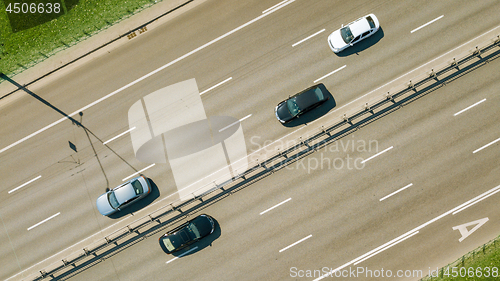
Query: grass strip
(483, 263)
(80, 20)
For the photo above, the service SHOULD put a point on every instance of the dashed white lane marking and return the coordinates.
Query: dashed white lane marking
(485, 146)
(370, 158)
(301, 240)
(24, 184)
(114, 138)
(463, 110)
(275, 206)
(422, 26)
(45, 220)
(237, 122)
(309, 37)
(138, 172)
(338, 69)
(216, 85)
(397, 191)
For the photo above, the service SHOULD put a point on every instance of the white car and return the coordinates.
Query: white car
(353, 33)
(123, 195)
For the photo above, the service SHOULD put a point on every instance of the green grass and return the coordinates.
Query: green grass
(482, 257)
(23, 49)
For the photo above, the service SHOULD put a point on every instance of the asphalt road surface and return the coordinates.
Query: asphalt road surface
(430, 166)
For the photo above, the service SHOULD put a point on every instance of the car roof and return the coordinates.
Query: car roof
(306, 98)
(359, 26)
(203, 224)
(124, 193)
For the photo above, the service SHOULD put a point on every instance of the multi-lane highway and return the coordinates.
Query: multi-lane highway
(431, 164)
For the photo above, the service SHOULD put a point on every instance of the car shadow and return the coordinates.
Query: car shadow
(313, 114)
(200, 244)
(141, 203)
(363, 45)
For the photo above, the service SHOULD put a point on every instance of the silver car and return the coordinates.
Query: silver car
(352, 33)
(123, 195)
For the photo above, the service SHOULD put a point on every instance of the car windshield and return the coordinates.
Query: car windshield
(137, 187)
(346, 34)
(194, 230)
(168, 244)
(293, 107)
(112, 200)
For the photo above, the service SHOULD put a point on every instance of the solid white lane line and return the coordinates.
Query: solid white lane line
(45, 220)
(269, 9)
(416, 229)
(301, 240)
(216, 85)
(463, 110)
(237, 122)
(309, 37)
(134, 174)
(397, 191)
(340, 68)
(114, 138)
(479, 200)
(278, 7)
(277, 205)
(24, 184)
(183, 254)
(485, 146)
(32, 135)
(383, 249)
(422, 26)
(370, 158)
(146, 76)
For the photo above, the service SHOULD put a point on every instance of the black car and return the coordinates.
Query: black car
(187, 233)
(302, 102)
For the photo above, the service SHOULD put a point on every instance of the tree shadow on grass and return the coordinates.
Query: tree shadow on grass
(22, 16)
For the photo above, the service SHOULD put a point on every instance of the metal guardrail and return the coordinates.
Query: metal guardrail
(325, 134)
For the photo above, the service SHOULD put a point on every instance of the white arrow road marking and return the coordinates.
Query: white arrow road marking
(463, 228)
